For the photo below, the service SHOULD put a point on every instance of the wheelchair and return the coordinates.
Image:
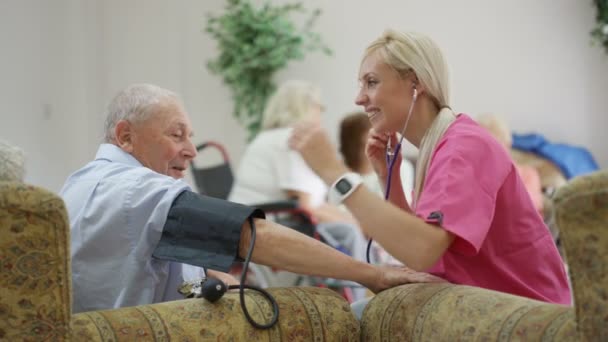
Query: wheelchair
(217, 181)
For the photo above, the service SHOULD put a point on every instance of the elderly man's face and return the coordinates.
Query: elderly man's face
(162, 143)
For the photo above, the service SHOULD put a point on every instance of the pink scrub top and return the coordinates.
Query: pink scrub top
(473, 190)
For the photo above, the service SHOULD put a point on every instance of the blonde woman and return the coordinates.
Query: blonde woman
(471, 220)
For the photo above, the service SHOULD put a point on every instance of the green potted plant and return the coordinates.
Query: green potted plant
(255, 43)
(600, 31)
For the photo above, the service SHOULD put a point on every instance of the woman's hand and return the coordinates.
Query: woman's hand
(375, 150)
(391, 276)
(313, 143)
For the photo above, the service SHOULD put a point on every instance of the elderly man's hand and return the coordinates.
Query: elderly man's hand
(392, 276)
(313, 143)
(225, 277)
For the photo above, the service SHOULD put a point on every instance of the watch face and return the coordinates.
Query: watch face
(343, 186)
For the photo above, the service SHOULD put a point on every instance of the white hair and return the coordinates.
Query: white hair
(12, 163)
(409, 51)
(290, 103)
(134, 104)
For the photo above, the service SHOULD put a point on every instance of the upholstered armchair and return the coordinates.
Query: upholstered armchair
(35, 293)
(582, 218)
(445, 312)
(35, 297)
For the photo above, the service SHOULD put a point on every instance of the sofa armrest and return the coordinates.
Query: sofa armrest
(448, 312)
(581, 215)
(306, 314)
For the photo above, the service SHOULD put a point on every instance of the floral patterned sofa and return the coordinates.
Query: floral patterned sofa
(444, 312)
(35, 299)
(35, 293)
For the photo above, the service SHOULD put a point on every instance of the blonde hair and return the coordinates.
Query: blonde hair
(414, 52)
(290, 103)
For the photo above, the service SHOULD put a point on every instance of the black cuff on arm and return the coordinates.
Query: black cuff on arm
(203, 231)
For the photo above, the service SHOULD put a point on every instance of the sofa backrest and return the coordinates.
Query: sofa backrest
(581, 214)
(35, 280)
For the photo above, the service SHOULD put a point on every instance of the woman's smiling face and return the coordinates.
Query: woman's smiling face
(384, 94)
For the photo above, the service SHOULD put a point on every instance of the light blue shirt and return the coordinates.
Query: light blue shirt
(117, 211)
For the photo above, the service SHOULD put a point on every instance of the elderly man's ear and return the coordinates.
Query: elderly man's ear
(124, 135)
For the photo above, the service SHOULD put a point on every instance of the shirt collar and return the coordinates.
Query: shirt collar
(114, 153)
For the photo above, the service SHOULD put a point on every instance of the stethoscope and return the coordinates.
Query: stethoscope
(391, 157)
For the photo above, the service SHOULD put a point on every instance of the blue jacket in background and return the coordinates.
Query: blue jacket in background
(572, 160)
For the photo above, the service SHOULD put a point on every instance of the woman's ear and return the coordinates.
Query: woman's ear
(420, 88)
(124, 135)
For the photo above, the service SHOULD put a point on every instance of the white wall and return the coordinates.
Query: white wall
(530, 61)
(43, 92)
(62, 60)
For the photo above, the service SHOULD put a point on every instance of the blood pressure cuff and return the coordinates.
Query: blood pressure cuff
(203, 231)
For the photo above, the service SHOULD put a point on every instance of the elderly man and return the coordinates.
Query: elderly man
(134, 223)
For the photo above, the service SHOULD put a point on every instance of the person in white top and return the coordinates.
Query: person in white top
(135, 223)
(270, 171)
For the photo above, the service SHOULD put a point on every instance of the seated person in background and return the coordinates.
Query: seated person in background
(12, 163)
(353, 135)
(354, 130)
(134, 222)
(270, 171)
(501, 132)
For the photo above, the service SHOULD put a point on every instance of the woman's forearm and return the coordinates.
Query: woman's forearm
(406, 237)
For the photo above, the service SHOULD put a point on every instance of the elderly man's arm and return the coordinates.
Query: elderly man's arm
(208, 232)
(289, 250)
